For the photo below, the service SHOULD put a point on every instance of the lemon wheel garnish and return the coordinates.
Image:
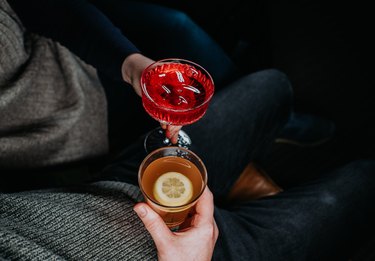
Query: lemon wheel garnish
(173, 189)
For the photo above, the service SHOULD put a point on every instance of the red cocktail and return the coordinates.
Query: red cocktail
(176, 92)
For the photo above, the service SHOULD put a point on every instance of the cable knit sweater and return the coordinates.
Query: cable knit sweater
(88, 222)
(52, 105)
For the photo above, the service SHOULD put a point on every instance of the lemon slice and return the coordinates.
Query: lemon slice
(173, 189)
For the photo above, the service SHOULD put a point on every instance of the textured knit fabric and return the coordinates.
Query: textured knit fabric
(52, 105)
(87, 222)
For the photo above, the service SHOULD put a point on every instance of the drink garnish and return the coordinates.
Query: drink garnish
(173, 189)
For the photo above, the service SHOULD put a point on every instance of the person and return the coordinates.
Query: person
(96, 221)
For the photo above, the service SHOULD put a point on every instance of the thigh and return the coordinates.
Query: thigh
(315, 221)
(240, 125)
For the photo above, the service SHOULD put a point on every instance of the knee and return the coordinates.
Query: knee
(362, 170)
(180, 20)
(362, 164)
(327, 198)
(274, 87)
(278, 84)
(355, 179)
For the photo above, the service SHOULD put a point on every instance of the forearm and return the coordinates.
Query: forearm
(81, 27)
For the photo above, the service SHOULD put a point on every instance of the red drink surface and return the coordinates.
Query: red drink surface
(176, 93)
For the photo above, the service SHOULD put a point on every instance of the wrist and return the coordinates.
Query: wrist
(127, 68)
(133, 66)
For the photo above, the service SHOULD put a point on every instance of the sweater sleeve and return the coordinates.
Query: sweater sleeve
(81, 27)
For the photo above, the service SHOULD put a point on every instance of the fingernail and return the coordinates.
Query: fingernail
(141, 211)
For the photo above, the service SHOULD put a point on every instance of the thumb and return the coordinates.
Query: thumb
(155, 225)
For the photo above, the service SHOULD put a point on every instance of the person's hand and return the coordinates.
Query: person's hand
(171, 132)
(131, 70)
(195, 242)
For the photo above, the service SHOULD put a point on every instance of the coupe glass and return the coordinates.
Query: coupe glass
(174, 92)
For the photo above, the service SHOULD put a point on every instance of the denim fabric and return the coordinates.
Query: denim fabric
(314, 221)
(240, 126)
(322, 220)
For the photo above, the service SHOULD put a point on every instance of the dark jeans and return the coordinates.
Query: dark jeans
(314, 221)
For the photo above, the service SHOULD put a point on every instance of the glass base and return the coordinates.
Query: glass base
(156, 139)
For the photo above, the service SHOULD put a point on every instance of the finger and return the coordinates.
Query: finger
(216, 231)
(175, 129)
(172, 133)
(163, 126)
(205, 207)
(174, 138)
(158, 230)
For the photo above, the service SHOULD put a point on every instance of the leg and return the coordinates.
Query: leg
(315, 221)
(306, 130)
(162, 32)
(239, 126)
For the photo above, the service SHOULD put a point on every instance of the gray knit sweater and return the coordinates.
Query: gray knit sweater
(53, 110)
(87, 222)
(52, 105)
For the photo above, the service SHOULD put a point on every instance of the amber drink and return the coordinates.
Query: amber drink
(172, 179)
